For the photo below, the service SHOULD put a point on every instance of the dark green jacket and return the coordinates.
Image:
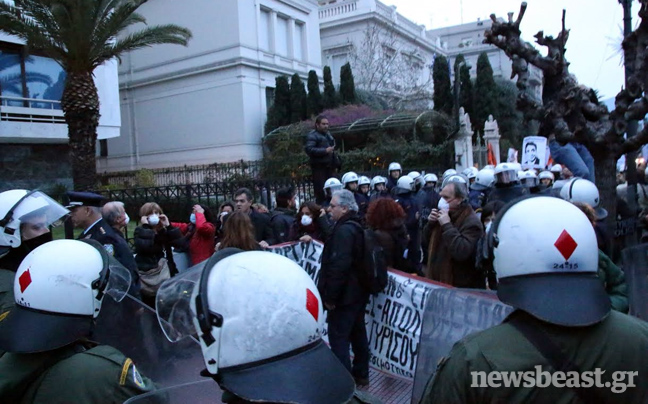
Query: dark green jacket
(98, 375)
(618, 343)
(613, 279)
(6, 291)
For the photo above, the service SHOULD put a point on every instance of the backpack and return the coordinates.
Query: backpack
(373, 270)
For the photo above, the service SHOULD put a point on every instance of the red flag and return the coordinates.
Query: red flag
(491, 155)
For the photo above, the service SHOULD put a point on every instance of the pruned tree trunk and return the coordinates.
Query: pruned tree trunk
(80, 103)
(570, 111)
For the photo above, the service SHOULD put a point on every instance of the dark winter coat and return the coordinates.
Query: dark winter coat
(282, 222)
(394, 243)
(262, 228)
(316, 144)
(150, 245)
(507, 194)
(339, 282)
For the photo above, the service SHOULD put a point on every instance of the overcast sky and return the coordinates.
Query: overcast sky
(594, 44)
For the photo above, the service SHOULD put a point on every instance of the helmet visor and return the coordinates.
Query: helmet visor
(119, 280)
(506, 177)
(173, 305)
(38, 208)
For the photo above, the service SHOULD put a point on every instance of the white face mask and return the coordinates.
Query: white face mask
(443, 204)
(192, 218)
(306, 220)
(126, 218)
(154, 219)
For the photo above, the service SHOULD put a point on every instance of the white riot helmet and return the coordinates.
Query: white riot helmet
(364, 180)
(448, 173)
(417, 177)
(470, 172)
(505, 173)
(528, 179)
(556, 169)
(19, 206)
(485, 179)
(58, 291)
(257, 314)
(430, 178)
(548, 268)
(377, 180)
(457, 179)
(349, 177)
(582, 190)
(546, 175)
(394, 167)
(518, 166)
(333, 184)
(405, 184)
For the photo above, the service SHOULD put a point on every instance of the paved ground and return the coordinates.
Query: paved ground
(389, 390)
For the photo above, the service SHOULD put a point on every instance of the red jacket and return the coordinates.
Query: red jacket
(201, 245)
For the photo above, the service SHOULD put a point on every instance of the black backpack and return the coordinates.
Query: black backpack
(373, 271)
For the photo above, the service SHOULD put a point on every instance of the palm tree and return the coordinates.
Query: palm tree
(81, 35)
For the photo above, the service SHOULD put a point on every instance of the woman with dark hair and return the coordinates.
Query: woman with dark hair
(199, 234)
(238, 232)
(225, 209)
(387, 218)
(311, 223)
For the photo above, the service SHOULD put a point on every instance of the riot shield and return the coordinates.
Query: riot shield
(205, 391)
(635, 266)
(132, 327)
(450, 315)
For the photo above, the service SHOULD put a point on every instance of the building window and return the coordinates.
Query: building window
(465, 42)
(336, 65)
(29, 76)
(103, 147)
(283, 36)
(265, 33)
(299, 41)
(269, 95)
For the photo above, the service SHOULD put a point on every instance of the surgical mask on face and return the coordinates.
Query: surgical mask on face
(126, 219)
(306, 220)
(192, 218)
(154, 219)
(443, 204)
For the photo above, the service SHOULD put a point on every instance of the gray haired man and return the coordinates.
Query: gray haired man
(115, 215)
(343, 295)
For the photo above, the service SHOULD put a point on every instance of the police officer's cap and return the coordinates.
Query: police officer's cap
(84, 199)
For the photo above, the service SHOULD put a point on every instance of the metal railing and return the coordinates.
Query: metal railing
(36, 110)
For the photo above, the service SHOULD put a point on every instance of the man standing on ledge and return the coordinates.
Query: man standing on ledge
(320, 147)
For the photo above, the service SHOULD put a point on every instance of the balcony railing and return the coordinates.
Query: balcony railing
(36, 110)
(334, 10)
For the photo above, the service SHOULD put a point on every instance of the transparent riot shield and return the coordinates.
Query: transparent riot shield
(450, 315)
(635, 266)
(205, 391)
(132, 327)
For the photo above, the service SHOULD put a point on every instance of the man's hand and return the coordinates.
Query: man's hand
(263, 244)
(329, 307)
(330, 149)
(444, 217)
(434, 215)
(306, 239)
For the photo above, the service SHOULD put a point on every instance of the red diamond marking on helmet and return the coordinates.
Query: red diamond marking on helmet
(24, 281)
(312, 304)
(566, 244)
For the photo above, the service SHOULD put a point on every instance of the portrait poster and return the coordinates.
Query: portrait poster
(534, 149)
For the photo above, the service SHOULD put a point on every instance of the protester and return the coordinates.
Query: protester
(311, 223)
(387, 218)
(452, 233)
(324, 161)
(225, 209)
(50, 358)
(238, 232)
(115, 215)
(339, 284)
(261, 221)
(199, 234)
(282, 219)
(562, 329)
(574, 157)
